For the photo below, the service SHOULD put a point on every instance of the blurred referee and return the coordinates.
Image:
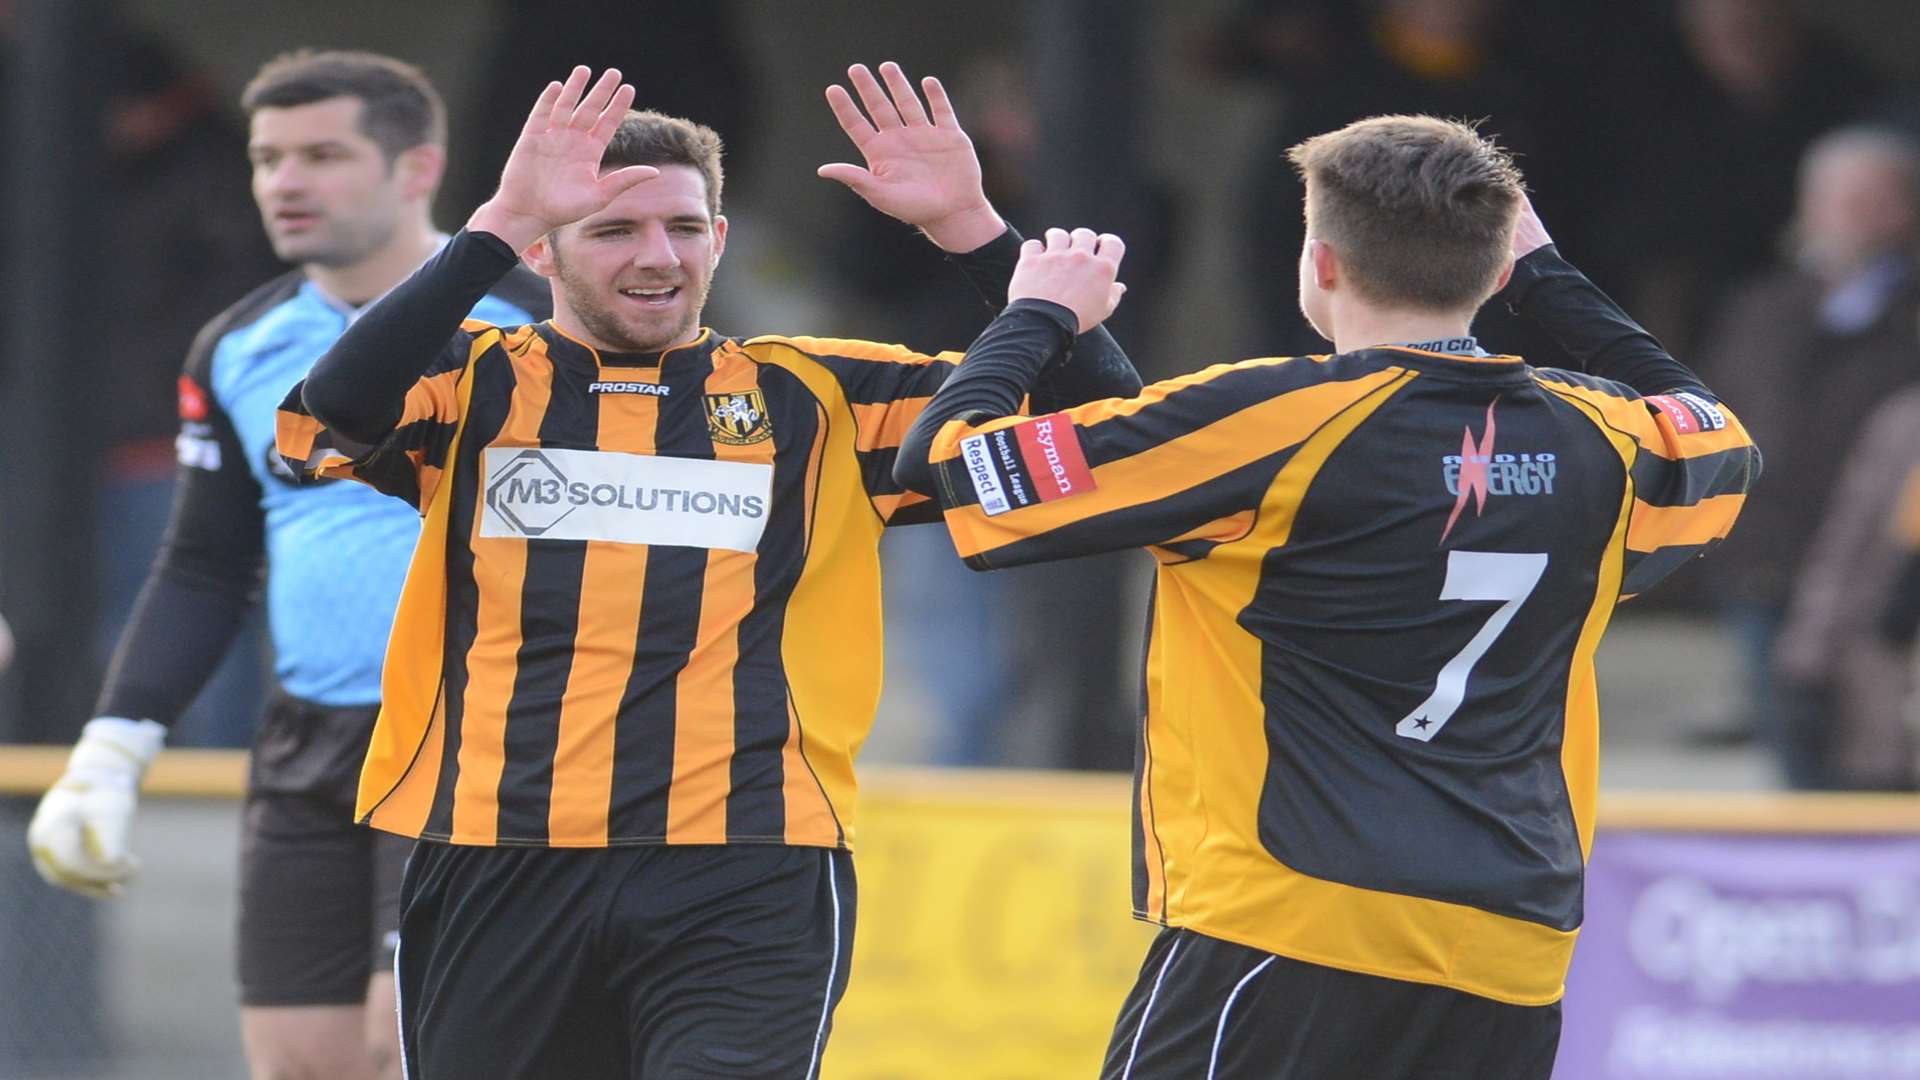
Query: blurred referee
(1366, 772)
(347, 150)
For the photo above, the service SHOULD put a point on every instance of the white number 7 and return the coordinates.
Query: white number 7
(1473, 575)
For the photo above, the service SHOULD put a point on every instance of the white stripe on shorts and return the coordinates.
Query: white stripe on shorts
(1148, 1009)
(1220, 1030)
(826, 1003)
(399, 1021)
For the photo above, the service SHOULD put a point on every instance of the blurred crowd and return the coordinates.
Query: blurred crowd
(1742, 182)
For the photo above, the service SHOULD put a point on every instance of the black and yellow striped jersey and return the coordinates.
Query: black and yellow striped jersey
(1370, 736)
(646, 604)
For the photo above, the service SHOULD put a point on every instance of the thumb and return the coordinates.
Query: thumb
(855, 177)
(106, 841)
(621, 181)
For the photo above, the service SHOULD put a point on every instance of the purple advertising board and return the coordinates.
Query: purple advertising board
(1730, 956)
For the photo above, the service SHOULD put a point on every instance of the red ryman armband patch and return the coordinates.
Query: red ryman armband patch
(1034, 461)
(1689, 413)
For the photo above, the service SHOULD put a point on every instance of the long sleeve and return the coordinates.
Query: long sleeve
(206, 576)
(1583, 320)
(383, 404)
(359, 389)
(1092, 368)
(1002, 362)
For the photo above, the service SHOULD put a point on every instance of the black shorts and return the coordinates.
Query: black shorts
(657, 962)
(1207, 1009)
(319, 895)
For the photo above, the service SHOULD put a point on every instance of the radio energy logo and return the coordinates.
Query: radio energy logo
(1478, 472)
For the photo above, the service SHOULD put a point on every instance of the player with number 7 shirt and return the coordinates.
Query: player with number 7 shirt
(1367, 770)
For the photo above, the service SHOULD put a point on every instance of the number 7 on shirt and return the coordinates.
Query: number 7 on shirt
(1473, 575)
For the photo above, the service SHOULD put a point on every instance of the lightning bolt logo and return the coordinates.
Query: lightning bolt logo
(1473, 471)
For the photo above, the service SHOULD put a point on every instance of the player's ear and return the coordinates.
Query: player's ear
(719, 239)
(1325, 262)
(539, 257)
(1506, 275)
(420, 169)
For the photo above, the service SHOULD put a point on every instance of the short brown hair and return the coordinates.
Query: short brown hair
(400, 109)
(1420, 210)
(652, 138)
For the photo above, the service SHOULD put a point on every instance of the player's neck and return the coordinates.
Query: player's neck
(370, 278)
(1363, 327)
(570, 324)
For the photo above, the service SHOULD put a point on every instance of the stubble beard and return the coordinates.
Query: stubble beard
(600, 321)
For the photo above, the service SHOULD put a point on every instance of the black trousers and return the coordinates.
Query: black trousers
(599, 964)
(1206, 1009)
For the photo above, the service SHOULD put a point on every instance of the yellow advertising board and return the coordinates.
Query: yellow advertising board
(993, 941)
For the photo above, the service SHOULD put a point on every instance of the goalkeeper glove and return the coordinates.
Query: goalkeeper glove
(78, 835)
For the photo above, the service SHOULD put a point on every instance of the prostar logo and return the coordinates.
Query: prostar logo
(612, 386)
(1473, 471)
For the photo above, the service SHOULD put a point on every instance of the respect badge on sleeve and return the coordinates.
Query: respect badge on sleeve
(1034, 461)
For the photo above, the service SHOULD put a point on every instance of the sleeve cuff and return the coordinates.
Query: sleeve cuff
(1059, 315)
(1529, 271)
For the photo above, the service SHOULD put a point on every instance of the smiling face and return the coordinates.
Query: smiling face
(634, 277)
(328, 195)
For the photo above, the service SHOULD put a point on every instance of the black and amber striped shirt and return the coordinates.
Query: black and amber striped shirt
(645, 607)
(556, 687)
(1371, 729)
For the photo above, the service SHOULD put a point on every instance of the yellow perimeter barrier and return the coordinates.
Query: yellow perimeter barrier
(994, 941)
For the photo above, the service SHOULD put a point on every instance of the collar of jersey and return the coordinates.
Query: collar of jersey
(563, 344)
(1456, 364)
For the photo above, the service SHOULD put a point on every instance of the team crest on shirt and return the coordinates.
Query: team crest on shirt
(739, 418)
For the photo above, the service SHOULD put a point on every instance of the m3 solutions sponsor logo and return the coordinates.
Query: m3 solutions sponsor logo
(631, 498)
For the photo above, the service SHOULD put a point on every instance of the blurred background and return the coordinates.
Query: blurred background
(1743, 175)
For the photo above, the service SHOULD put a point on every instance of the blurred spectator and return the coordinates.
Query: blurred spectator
(1335, 62)
(185, 241)
(1705, 173)
(1805, 353)
(1845, 658)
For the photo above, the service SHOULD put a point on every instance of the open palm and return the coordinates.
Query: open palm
(553, 176)
(920, 165)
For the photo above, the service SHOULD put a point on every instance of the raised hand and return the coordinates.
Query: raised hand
(1531, 234)
(552, 177)
(1076, 271)
(920, 165)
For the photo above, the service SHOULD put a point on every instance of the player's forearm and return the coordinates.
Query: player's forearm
(1095, 367)
(181, 626)
(359, 388)
(1603, 339)
(1000, 366)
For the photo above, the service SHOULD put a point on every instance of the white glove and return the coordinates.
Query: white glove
(78, 834)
